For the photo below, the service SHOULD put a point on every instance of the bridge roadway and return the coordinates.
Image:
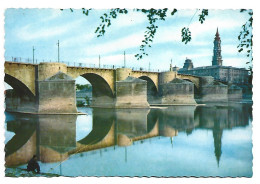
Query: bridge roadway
(29, 80)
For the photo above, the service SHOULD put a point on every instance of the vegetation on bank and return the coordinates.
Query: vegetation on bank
(82, 103)
(86, 87)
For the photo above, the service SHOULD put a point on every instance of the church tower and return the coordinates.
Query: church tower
(217, 58)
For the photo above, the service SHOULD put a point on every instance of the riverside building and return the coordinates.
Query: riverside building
(227, 74)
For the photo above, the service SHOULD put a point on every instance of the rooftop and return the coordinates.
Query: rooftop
(215, 66)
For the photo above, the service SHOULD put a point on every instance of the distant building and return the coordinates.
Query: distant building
(175, 68)
(227, 74)
(188, 65)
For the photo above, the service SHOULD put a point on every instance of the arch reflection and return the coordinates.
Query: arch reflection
(53, 137)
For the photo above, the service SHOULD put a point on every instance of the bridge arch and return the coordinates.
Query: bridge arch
(25, 130)
(25, 73)
(152, 90)
(152, 120)
(99, 132)
(18, 86)
(19, 140)
(153, 76)
(21, 98)
(196, 89)
(193, 79)
(102, 94)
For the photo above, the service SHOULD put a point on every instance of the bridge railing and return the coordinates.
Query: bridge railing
(76, 64)
(27, 60)
(21, 60)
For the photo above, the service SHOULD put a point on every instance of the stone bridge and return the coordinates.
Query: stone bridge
(23, 76)
(50, 87)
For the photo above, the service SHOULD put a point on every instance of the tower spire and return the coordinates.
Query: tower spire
(217, 58)
(217, 35)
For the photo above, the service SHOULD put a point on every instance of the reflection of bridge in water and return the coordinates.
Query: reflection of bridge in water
(53, 137)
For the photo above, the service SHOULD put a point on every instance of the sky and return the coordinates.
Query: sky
(42, 28)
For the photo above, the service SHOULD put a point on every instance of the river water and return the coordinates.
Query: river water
(211, 140)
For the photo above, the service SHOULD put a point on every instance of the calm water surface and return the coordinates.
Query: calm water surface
(212, 140)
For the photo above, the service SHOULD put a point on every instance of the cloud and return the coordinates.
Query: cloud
(182, 13)
(83, 125)
(131, 41)
(110, 60)
(73, 41)
(201, 54)
(237, 135)
(34, 31)
(200, 43)
(235, 62)
(118, 61)
(211, 24)
(130, 19)
(167, 34)
(52, 14)
(229, 49)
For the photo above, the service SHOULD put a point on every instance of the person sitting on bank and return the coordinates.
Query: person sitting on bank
(33, 165)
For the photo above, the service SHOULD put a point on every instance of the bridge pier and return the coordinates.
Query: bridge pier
(212, 91)
(57, 95)
(131, 93)
(55, 91)
(173, 90)
(235, 93)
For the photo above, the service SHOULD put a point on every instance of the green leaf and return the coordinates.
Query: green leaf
(97, 29)
(202, 16)
(144, 10)
(186, 35)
